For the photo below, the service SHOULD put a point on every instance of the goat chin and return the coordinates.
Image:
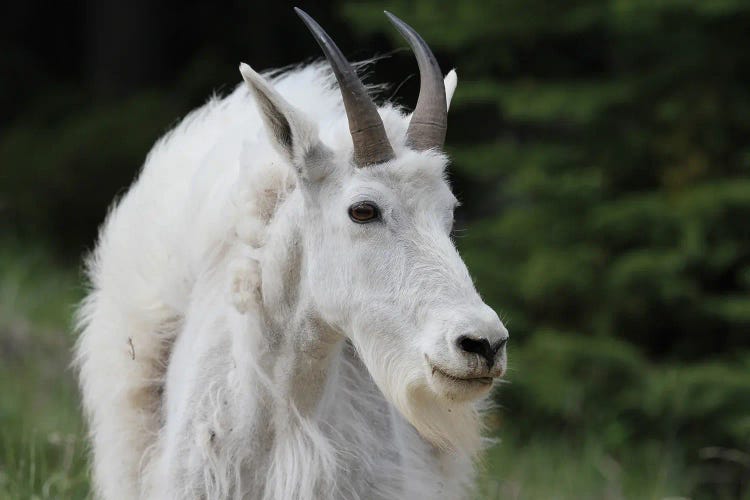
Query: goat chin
(449, 424)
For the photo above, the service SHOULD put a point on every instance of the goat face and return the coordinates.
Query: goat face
(383, 269)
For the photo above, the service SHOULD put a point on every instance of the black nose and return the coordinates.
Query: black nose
(481, 346)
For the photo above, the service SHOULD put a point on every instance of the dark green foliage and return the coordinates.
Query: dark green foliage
(567, 382)
(67, 170)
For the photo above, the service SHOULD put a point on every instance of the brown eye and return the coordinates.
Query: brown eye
(365, 211)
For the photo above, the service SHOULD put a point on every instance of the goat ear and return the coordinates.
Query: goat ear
(450, 81)
(291, 132)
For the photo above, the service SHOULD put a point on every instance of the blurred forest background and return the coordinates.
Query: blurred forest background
(601, 150)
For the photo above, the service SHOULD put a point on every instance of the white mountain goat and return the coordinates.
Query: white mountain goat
(277, 310)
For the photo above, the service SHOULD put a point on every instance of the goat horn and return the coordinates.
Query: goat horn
(371, 143)
(429, 121)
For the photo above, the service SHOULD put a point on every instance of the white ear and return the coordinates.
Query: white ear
(291, 132)
(450, 82)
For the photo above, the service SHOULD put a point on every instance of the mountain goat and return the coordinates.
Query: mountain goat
(277, 310)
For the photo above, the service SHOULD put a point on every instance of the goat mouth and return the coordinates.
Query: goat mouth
(460, 380)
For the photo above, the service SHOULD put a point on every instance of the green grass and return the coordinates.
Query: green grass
(43, 451)
(560, 468)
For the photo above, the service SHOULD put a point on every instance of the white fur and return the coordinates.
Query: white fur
(244, 339)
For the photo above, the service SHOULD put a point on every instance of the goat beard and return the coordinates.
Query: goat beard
(449, 425)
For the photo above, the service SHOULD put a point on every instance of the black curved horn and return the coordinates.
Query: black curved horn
(429, 122)
(371, 145)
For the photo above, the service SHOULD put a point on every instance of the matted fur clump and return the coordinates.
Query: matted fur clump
(277, 310)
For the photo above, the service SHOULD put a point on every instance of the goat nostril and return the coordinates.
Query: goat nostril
(475, 346)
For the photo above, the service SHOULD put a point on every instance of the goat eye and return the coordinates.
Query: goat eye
(364, 212)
